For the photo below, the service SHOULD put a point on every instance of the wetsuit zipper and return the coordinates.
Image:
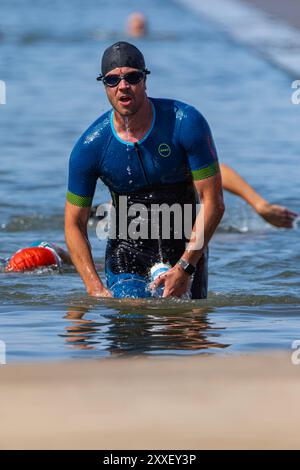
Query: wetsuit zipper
(139, 154)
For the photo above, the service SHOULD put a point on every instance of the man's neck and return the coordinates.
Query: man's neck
(135, 126)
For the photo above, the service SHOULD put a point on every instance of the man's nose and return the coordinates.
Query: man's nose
(123, 84)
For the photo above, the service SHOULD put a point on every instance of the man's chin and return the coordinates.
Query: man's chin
(125, 111)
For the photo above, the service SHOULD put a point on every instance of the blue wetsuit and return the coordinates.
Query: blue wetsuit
(160, 168)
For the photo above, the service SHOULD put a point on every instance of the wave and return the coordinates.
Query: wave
(33, 222)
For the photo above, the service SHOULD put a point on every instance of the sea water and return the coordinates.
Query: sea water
(50, 57)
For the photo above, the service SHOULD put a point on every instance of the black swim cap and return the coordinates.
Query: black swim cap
(122, 54)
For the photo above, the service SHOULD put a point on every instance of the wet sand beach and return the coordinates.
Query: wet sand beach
(245, 402)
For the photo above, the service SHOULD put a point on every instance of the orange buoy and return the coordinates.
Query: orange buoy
(31, 258)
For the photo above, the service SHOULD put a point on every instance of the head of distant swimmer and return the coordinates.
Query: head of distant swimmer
(136, 25)
(120, 59)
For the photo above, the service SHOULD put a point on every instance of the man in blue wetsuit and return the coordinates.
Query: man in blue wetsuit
(153, 151)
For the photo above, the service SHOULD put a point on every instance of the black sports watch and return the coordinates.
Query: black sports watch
(188, 268)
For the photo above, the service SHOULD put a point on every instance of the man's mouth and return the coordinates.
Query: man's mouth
(125, 100)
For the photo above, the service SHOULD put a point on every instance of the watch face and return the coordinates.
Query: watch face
(189, 268)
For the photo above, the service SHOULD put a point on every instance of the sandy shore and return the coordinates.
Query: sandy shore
(184, 403)
(289, 10)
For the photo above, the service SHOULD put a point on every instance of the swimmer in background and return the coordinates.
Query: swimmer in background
(136, 25)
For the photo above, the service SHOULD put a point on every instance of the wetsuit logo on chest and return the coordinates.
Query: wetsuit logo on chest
(164, 150)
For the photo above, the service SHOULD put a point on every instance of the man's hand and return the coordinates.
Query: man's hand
(278, 216)
(100, 292)
(175, 281)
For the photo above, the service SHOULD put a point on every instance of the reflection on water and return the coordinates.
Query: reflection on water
(136, 329)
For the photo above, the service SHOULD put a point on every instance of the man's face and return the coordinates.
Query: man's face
(126, 99)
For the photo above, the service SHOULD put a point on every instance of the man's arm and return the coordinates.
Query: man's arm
(76, 219)
(276, 215)
(212, 209)
(211, 212)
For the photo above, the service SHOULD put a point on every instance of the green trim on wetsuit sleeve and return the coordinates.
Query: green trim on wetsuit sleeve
(80, 201)
(206, 172)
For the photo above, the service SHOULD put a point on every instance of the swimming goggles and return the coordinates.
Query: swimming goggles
(133, 78)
